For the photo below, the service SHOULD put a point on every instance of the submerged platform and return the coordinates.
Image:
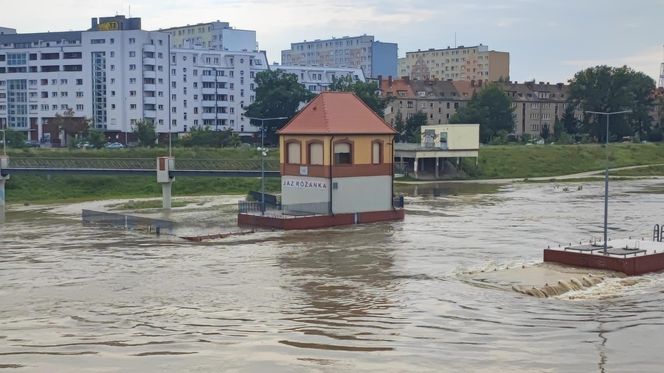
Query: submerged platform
(629, 256)
(278, 220)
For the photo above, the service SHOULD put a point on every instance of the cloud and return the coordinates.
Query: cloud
(647, 61)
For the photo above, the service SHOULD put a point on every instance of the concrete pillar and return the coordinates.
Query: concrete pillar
(437, 167)
(164, 166)
(166, 195)
(415, 166)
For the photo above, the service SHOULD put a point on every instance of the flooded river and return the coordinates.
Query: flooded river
(383, 297)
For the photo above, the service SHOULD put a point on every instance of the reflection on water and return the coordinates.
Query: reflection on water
(366, 298)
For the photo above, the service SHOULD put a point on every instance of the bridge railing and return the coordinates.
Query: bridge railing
(88, 163)
(141, 164)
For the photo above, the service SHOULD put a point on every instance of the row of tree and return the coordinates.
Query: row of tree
(600, 88)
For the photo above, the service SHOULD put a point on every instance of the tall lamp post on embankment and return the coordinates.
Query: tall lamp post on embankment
(263, 154)
(606, 171)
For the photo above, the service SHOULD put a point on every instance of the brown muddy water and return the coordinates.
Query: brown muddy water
(383, 297)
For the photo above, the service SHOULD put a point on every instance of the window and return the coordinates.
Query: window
(293, 154)
(132, 54)
(376, 152)
(132, 40)
(316, 153)
(132, 106)
(342, 153)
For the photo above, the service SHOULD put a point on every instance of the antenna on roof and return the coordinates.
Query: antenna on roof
(129, 10)
(455, 44)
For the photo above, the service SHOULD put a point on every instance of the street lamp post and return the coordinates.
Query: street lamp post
(263, 153)
(606, 171)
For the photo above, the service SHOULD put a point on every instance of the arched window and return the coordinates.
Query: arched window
(342, 153)
(316, 153)
(293, 154)
(376, 152)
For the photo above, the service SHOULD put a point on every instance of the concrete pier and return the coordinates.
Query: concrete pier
(164, 166)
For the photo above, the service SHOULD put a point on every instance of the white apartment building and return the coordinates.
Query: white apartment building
(211, 88)
(212, 35)
(318, 78)
(116, 74)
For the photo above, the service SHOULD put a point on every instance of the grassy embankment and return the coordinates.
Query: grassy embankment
(72, 188)
(554, 160)
(495, 162)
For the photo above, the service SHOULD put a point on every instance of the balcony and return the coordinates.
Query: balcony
(149, 74)
(149, 61)
(149, 113)
(149, 87)
(150, 100)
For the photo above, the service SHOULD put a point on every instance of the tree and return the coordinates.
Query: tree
(409, 131)
(206, 137)
(15, 139)
(145, 132)
(491, 108)
(96, 138)
(366, 91)
(278, 94)
(69, 124)
(545, 132)
(608, 89)
(569, 122)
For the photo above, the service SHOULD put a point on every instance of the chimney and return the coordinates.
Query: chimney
(380, 78)
(389, 80)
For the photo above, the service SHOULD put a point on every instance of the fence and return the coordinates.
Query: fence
(127, 221)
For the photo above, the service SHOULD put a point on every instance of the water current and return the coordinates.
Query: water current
(382, 297)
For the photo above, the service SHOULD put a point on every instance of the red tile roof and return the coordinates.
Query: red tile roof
(336, 113)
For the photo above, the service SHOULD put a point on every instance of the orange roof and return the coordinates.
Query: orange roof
(336, 113)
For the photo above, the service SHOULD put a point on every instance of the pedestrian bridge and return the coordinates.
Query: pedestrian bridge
(164, 168)
(140, 166)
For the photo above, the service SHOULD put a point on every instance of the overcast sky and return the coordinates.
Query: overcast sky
(547, 40)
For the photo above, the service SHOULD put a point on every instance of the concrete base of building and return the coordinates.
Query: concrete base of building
(318, 221)
(631, 266)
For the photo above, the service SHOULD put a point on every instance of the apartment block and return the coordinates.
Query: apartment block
(373, 57)
(211, 88)
(461, 63)
(116, 74)
(111, 74)
(212, 35)
(318, 78)
(536, 105)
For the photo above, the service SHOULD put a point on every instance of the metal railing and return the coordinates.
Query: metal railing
(285, 211)
(142, 164)
(306, 209)
(398, 201)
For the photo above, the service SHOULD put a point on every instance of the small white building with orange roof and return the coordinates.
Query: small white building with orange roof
(336, 163)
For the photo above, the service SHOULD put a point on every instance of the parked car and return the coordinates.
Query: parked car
(114, 145)
(31, 144)
(84, 145)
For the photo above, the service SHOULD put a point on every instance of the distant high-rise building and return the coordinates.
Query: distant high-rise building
(462, 63)
(373, 57)
(212, 35)
(319, 78)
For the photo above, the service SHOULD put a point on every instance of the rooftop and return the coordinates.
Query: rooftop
(340, 113)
